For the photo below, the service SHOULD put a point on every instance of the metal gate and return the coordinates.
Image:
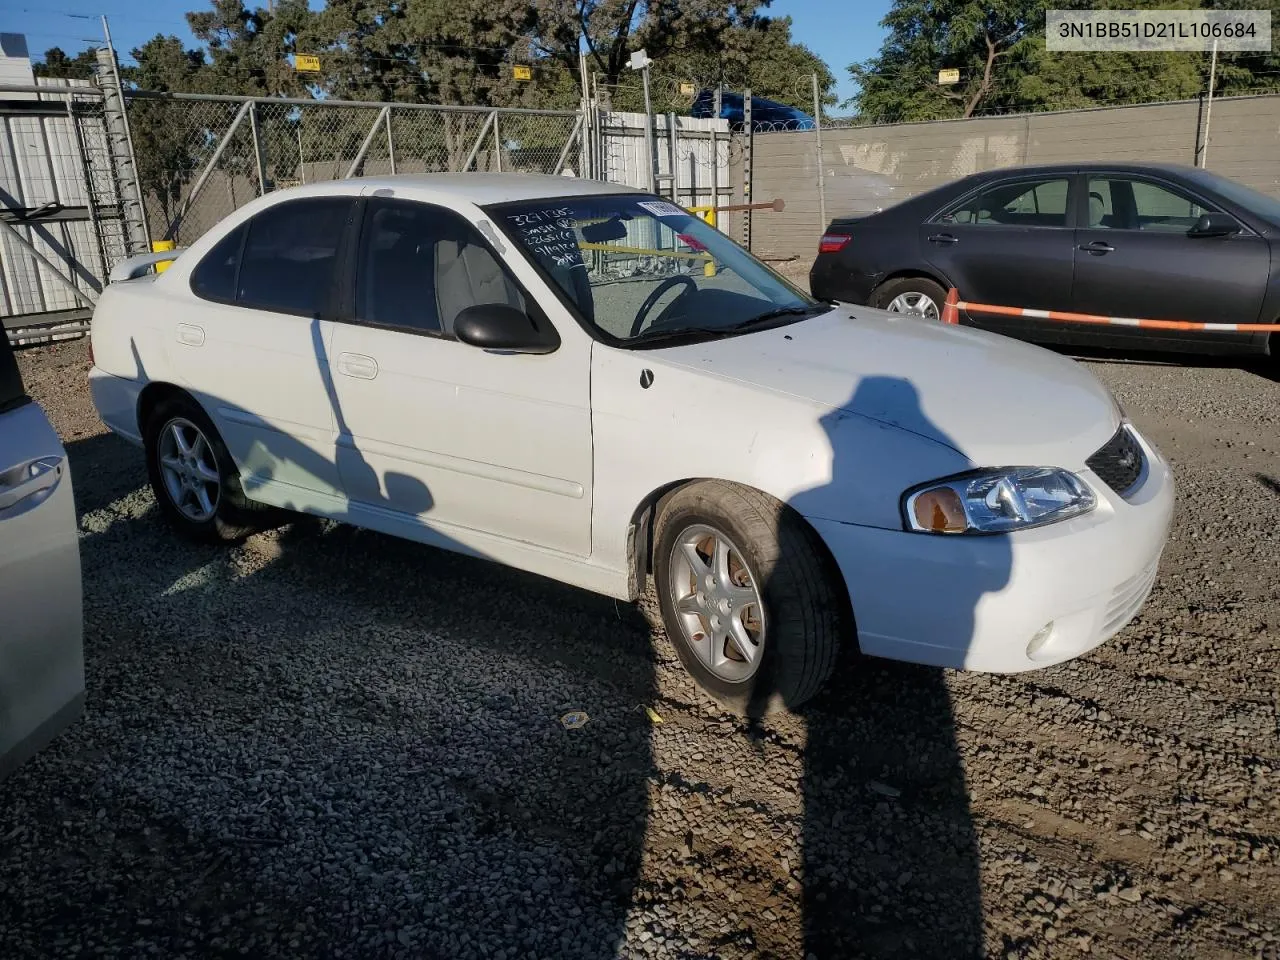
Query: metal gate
(90, 175)
(200, 156)
(65, 214)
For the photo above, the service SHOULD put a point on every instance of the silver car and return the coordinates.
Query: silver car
(41, 618)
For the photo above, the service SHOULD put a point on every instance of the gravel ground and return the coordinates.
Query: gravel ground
(327, 742)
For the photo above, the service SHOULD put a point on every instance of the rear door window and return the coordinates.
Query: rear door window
(12, 392)
(1023, 203)
(291, 254)
(214, 278)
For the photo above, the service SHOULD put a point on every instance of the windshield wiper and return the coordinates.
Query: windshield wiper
(679, 333)
(776, 314)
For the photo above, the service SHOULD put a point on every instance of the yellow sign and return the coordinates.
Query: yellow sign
(522, 72)
(160, 246)
(307, 63)
(687, 89)
(948, 76)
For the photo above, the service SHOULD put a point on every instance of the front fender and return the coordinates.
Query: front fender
(828, 464)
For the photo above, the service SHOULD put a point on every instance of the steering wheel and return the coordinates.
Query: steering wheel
(654, 297)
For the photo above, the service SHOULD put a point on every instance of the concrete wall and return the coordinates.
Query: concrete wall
(868, 168)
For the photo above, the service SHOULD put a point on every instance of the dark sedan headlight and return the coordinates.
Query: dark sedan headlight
(997, 501)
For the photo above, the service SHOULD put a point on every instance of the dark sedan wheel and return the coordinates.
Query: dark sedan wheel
(914, 296)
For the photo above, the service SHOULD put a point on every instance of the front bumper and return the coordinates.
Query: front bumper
(976, 603)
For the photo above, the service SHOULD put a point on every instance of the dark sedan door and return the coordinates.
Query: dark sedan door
(1009, 243)
(1134, 259)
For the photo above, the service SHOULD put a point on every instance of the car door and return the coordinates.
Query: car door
(1135, 259)
(460, 439)
(1008, 243)
(41, 625)
(252, 346)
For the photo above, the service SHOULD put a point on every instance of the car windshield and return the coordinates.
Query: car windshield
(1264, 206)
(640, 268)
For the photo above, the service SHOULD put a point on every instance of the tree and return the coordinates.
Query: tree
(999, 49)
(58, 66)
(984, 39)
(249, 50)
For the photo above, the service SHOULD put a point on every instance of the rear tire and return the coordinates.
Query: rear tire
(906, 294)
(195, 481)
(783, 646)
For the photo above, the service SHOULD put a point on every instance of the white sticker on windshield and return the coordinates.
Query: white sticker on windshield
(660, 208)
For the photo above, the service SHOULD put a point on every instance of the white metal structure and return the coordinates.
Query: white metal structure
(476, 371)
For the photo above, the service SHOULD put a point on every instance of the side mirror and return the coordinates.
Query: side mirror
(500, 326)
(1215, 225)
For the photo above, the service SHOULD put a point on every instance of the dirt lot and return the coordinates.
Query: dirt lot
(330, 743)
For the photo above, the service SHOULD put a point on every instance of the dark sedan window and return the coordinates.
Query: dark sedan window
(1119, 203)
(1025, 203)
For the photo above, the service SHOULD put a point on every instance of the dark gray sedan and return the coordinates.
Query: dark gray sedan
(1145, 241)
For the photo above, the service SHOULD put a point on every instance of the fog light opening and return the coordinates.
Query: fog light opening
(1040, 640)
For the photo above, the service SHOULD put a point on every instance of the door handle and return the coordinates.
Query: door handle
(943, 238)
(190, 334)
(357, 365)
(18, 484)
(1097, 246)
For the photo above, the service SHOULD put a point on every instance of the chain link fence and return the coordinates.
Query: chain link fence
(202, 157)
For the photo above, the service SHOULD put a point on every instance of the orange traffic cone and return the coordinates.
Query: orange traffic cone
(950, 312)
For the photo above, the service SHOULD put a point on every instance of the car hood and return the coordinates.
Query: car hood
(996, 400)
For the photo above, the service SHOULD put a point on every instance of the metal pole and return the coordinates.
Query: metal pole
(585, 107)
(497, 144)
(715, 175)
(564, 154)
(368, 141)
(258, 159)
(208, 170)
(475, 147)
(302, 159)
(391, 147)
(822, 181)
(128, 141)
(673, 157)
(1208, 110)
(648, 133)
(749, 133)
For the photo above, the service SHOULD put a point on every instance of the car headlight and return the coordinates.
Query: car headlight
(997, 501)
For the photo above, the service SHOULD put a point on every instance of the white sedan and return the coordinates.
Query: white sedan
(588, 382)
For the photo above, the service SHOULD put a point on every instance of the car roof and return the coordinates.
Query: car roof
(1084, 166)
(477, 188)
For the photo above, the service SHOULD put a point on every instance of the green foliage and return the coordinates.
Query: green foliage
(999, 48)
(462, 51)
(58, 66)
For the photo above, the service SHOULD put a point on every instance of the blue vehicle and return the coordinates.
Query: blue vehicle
(765, 114)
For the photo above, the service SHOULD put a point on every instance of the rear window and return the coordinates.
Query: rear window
(12, 392)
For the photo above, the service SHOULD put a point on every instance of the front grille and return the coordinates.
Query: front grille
(1120, 462)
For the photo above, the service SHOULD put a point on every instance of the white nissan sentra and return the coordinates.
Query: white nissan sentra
(588, 382)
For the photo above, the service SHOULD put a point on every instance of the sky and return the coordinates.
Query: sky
(841, 32)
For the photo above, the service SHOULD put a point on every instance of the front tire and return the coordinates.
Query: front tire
(913, 296)
(193, 477)
(748, 596)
